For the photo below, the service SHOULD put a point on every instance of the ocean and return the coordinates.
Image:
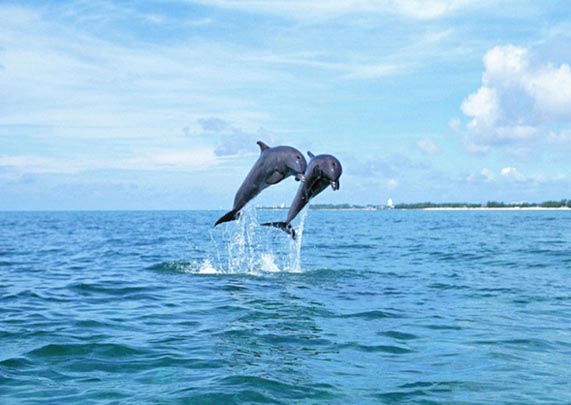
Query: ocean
(364, 307)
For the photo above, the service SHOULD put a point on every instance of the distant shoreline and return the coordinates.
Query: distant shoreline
(428, 209)
(492, 208)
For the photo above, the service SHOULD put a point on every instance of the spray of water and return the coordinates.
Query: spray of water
(246, 247)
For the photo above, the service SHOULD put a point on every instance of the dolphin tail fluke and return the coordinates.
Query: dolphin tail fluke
(284, 226)
(229, 216)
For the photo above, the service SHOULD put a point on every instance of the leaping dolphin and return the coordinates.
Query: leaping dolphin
(273, 165)
(322, 171)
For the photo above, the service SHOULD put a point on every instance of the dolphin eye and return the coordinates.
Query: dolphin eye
(334, 164)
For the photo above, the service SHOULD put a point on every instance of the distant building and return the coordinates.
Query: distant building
(390, 203)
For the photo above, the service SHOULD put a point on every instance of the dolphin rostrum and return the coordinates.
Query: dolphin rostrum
(322, 171)
(273, 165)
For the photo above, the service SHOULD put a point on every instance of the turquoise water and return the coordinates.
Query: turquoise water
(369, 307)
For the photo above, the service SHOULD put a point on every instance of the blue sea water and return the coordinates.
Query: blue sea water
(367, 307)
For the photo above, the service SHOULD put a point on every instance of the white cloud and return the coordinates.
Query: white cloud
(563, 137)
(348, 69)
(522, 102)
(371, 71)
(197, 158)
(189, 159)
(505, 65)
(510, 175)
(392, 183)
(551, 91)
(30, 164)
(59, 75)
(428, 147)
(484, 106)
(513, 174)
(454, 124)
(475, 147)
(488, 174)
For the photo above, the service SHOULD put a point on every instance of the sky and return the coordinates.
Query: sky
(159, 104)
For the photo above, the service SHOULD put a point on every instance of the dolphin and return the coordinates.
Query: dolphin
(322, 171)
(273, 165)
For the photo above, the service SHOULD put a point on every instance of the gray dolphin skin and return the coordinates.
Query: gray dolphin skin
(322, 171)
(273, 165)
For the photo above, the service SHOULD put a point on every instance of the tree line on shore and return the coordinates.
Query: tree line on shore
(490, 204)
(565, 203)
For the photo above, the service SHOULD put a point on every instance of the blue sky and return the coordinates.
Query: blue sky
(158, 105)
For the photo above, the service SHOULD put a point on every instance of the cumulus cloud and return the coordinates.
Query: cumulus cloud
(483, 106)
(522, 100)
(513, 174)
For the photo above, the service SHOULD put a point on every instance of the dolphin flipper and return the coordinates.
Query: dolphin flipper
(284, 226)
(275, 177)
(229, 216)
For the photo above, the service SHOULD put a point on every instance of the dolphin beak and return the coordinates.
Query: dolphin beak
(334, 184)
(300, 177)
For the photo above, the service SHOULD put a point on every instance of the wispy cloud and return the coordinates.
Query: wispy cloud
(348, 70)
(27, 164)
(322, 9)
(91, 81)
(195, 159)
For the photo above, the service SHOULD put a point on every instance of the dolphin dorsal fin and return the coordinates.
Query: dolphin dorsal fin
(311, 155)
(262, 146)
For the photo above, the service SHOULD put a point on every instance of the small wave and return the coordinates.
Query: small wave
(16, 363)
(399, 335)
(392, 349)
(400, 396)
(375, 314)
(175, 267)
(280, 389)
(73, 349)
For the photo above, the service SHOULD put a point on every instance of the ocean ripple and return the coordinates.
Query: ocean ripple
(382, 307)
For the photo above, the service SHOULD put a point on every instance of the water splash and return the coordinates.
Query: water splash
(245, 246)
(295, 250)
(206, 268)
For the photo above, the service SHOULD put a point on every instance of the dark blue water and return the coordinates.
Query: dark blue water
(370, 307)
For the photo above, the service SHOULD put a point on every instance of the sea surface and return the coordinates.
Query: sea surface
(364, 307)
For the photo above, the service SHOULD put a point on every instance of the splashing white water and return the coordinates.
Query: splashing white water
(295, 251)
(247, 247)
(206, 268)
(267, 263)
